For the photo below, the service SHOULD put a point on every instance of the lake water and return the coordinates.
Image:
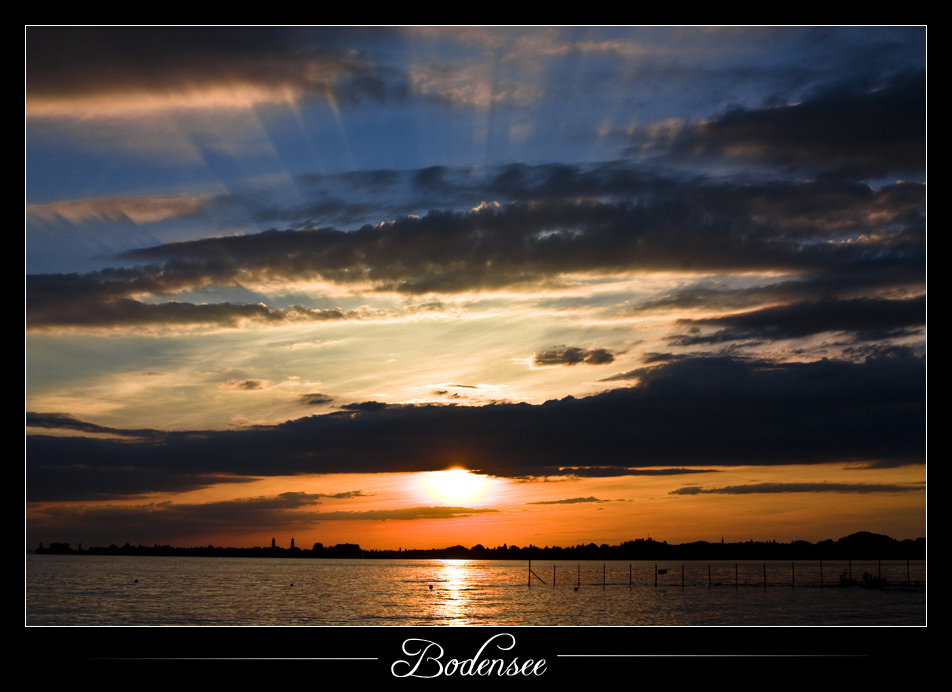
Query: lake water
(65, 590)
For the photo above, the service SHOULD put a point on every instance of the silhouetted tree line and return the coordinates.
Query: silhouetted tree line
(858, 546)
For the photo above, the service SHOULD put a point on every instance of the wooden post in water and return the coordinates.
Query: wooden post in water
(708, 576)
(603, 575)
(682, 575)
(533, 574)
(793, 575)
(735, 575)
(656, 575)
(765, 575)
(578, 576)
(629, 575)
(821, 573)
(553, 575)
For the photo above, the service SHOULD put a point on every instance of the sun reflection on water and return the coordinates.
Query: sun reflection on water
(453, 586)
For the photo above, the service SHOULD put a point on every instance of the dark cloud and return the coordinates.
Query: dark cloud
(864, 351)
(368, 406)
(315, 398)
(71, 480)
(245, 385)
(329, 210)
(691, 412)
(573, 355)
(64, 421)
(346, 495)
(169, 520)
(615, 471)
(569, 501)
(407, 514)
(432, 177)
(393, 194)
(712, 227)
(846, 284)
(819, 229)
(655, 358)
(856, 129)
(861, 488)
(96, 300)
(74, 62)
(865, 318)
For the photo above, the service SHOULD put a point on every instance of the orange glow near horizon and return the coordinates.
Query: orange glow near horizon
(457, 507)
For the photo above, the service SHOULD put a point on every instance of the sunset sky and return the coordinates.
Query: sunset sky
(665, 282)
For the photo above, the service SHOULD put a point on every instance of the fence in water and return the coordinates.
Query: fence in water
(879, 574)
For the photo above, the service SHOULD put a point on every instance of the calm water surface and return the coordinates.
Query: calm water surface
(103, 590)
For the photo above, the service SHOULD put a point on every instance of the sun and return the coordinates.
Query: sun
(454, 486)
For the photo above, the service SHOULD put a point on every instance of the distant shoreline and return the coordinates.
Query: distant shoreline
(857, 546)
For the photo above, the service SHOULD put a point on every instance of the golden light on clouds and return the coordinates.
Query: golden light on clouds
(373, 253)
(135, 104)
(139, 210)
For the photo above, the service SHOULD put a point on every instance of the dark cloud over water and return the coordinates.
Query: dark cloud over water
(690, 412)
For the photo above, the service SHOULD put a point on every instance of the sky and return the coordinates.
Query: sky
(425, 286)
